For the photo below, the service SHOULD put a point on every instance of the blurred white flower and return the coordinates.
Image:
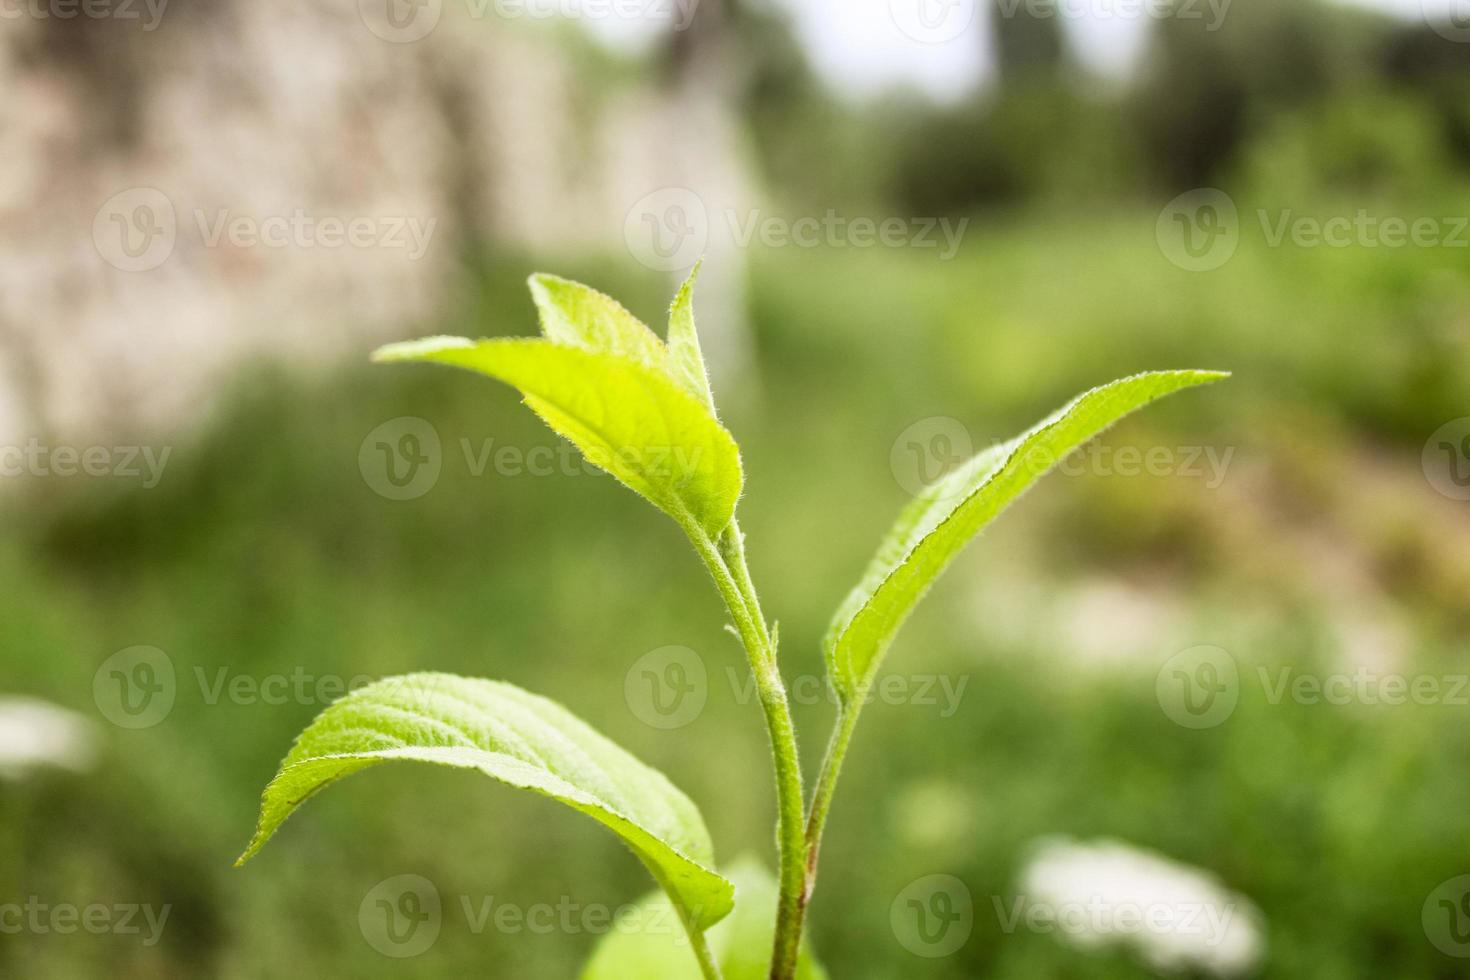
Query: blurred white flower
(37, 733)
(1105, 893)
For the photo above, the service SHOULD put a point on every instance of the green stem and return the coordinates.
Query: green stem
(709, 968)
(847, 716)
(726, 562)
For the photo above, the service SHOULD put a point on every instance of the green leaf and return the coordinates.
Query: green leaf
(579, 315)
(686, 360)
(938, 523)
(648, 943)
(630, 420)
(519, 739)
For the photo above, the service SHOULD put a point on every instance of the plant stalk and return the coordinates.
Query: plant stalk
(726, 562)
(709, 967)
(816, 823)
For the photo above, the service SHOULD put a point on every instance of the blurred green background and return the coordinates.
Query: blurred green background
(1326, 545)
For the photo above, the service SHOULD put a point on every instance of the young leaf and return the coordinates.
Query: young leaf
(519, 739)
(579, 315)
(649, 943)
(933, 528)
(626, 418)
(686, 360)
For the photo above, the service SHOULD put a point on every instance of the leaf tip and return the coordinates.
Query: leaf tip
(417, 350)
(251, 849)
(684, 296)
(541, 282)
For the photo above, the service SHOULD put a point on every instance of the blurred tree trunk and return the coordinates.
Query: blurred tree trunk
(709, 144)
(1028, 47)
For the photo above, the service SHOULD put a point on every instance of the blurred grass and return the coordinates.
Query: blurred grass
(263, 551)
